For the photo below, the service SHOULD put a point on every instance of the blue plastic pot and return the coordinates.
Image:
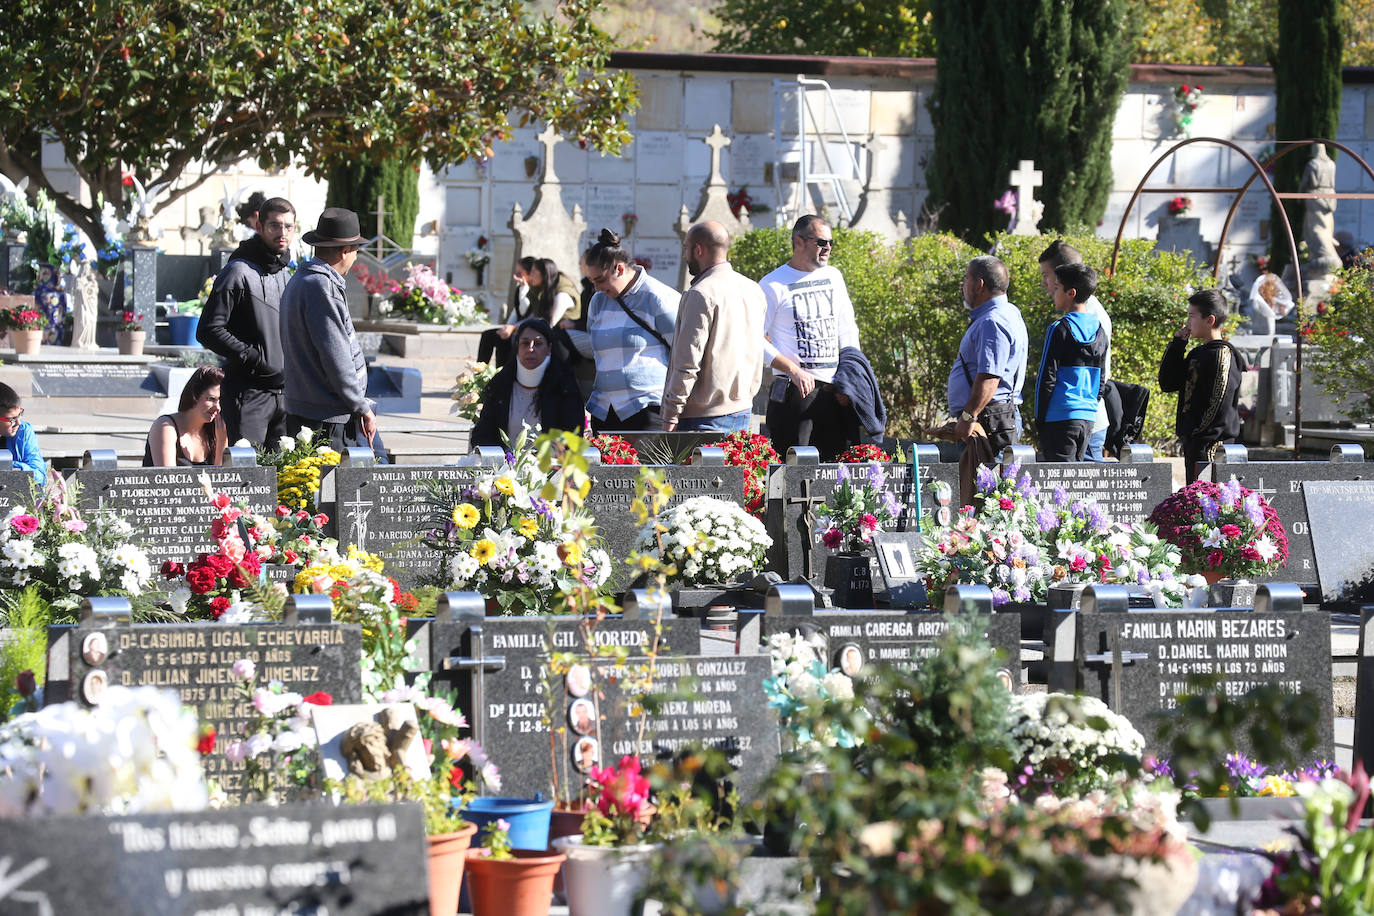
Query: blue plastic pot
(528, 819)
(182, 330)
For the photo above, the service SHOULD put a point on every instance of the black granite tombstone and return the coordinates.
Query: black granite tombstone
(796, 491)
(195, 659)
(1280, 483)
(1341, 515)
(240, 860)
(17, 488)
(382, 509)
(1138, 662)
(499, 665)
(613, 491)
(858, 641)
(168, 507)
(1128, 492)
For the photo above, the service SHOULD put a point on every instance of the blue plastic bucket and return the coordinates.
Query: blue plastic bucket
(182, 330)
(528, 819)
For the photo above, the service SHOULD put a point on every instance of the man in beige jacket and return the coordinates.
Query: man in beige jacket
(717, 357)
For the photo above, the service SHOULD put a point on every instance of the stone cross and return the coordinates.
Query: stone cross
(548, 139)
(717, 141)
(808, 503)
(1025, 179)
(381, 228)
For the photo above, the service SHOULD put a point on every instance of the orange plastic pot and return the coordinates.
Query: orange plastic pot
(522, 886)
(445, 856)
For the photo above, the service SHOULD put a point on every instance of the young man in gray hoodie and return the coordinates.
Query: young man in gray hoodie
(326, 376)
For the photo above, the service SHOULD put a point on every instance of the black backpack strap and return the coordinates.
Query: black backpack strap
(643, 324)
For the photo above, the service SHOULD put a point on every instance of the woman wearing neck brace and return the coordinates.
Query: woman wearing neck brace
(536, 389)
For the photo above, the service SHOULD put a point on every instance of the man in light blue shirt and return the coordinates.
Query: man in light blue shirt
(986, 378)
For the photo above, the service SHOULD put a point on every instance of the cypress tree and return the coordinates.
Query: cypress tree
(1035, 79)
(1307, 83)
(355, 185)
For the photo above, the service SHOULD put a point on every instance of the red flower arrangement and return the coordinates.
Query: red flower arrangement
(753, 453)
(205, 742)
(1180, 205)
(131, 320)
(614, 449)
(863, 453)
(23, 320)
(1227, 529)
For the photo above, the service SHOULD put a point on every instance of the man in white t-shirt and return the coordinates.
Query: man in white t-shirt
(809, 320)
(1057, 254)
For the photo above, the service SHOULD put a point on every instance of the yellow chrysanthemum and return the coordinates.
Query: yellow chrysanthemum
(483, 550)
(364, 559)
(465, 515)
(571, 553)
(528, 527)
(1278, 787)
(504, 485)
(341, 571)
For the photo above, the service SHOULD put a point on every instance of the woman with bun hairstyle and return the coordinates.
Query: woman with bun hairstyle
(630, 321)
(536, 389)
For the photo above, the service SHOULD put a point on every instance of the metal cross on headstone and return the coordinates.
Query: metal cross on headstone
(717, 141)
(359, 509)
(1025, 178)
(808, 516)
(478, 663)
(1262, 490)
(381, 225)
(548, 139)
(1117, 659)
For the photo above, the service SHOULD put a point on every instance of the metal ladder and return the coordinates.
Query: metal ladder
(823, 176)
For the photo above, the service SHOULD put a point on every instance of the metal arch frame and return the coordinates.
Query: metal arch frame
(1277, 199)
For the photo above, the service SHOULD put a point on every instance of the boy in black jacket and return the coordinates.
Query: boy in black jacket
(1208, 379)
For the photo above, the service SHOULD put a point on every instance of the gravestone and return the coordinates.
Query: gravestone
(1128, 492)
(97, 376)
(895, 639)
(17, 488)
(382, 509)
(1137, 662)
(1280, 483)
(195, 659)
(796, 491)
(713, 701)
(613, 491)
(497, 665)
(1341, 514)
(292, 859)
(168, 507)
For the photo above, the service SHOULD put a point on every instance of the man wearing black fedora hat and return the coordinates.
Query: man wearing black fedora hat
(326, 376)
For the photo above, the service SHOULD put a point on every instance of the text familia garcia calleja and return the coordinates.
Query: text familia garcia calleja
(170, 511)
(1244, 652)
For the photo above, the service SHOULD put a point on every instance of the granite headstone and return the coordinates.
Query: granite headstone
(168, 507)
(1341, 514)
(510, 657)
(1280, 483)
(1128, 492)
(195, 659)
(1138, 662)
(17, 488)
(264, 861)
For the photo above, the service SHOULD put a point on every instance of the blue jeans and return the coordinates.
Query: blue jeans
(1095, 443)
(727, 423)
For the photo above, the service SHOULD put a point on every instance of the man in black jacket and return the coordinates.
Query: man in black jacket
(240, 323)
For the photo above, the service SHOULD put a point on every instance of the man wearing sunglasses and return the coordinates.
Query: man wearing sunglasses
(809, 320)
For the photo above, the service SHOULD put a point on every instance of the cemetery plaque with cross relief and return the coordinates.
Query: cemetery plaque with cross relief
(795, 492)
(1281, 483)
(1138, 662)
(195, 659)
(514, 704)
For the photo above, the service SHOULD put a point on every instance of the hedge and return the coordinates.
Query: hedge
(908, 304)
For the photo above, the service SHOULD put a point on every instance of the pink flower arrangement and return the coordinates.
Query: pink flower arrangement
(620, 797)
(24, 524)
(1224, 529)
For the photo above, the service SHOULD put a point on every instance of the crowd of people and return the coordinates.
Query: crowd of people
(623, 351)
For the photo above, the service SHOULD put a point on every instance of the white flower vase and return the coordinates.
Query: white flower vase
(604, 880)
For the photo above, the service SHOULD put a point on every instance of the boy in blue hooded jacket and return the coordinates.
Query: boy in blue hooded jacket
(1071, 364)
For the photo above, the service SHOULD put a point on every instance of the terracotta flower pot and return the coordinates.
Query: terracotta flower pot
(26, 343)
(444, 858)
(522, 886)
(130, 343)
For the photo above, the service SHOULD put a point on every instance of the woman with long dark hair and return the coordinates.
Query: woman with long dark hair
(194, 436)
(536, 389)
